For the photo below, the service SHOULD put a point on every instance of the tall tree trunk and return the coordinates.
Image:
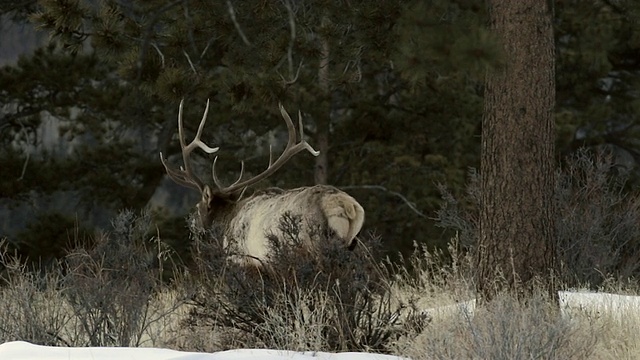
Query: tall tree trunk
(321, 169)
(517, 171)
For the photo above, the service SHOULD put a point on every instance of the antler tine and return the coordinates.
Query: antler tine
(217, 181)
(270, 154)
(293, 147)
(178, 175)
(241, 173)
(185, 175)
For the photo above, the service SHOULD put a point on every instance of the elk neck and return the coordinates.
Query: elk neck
(216, 207)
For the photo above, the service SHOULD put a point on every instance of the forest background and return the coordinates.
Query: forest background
(392, 95)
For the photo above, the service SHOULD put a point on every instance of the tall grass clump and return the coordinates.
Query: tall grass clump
(448, 324)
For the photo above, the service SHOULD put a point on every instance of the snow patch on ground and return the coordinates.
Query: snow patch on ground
(20, 350)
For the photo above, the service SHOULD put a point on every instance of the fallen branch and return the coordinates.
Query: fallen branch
(410, 204)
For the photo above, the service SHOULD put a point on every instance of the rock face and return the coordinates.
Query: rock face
(18, 39)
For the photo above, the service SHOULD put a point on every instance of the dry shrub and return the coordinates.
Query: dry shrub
(333, 299)
(438, 286)
(31, 307)
(506, 328)
(109, 286)
(109, 294)
(444, 274)
(597, 232)
(329, 299)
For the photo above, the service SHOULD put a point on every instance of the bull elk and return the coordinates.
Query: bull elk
(253, 221)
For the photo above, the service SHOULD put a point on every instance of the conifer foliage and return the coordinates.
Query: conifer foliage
(342, 63)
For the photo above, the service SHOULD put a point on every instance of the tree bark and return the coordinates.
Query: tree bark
(517, 232)
(321, 168)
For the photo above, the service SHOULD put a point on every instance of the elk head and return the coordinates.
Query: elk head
(251, 220)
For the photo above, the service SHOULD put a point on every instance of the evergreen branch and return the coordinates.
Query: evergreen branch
(146, 39)
(11, 121)
(192, 41)
(410, 204)
(20, 6)
(616, 8)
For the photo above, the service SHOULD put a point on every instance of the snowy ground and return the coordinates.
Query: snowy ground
(572, 303)
(19, 350)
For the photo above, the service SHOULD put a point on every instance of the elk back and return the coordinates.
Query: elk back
(321, 209)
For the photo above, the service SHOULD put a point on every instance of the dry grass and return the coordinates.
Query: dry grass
(36, 308)
(504, 329)
(612, 318)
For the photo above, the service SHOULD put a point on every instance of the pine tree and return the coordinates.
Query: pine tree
(68, 150)
(517, 233)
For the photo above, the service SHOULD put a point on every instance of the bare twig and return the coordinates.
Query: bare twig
(410, 204)
(159, 53)
(26, 161)
(206, 48)
(358, 71)
(354, 64)
(24, 167)
(146, 38)
(293, 75)
(292, 37)
(294, 78)
(232, 14)
(190, 63)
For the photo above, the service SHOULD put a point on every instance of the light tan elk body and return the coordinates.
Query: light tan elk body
(251, 221)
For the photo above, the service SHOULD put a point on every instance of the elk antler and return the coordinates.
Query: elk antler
(293, 147)
(185, 175)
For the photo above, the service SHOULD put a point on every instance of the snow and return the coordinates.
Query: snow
(617, 307)
(20, 350)
(575, 303)
(571, 303)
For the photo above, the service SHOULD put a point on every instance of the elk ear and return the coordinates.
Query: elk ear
(204, 207)
(206, 195)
